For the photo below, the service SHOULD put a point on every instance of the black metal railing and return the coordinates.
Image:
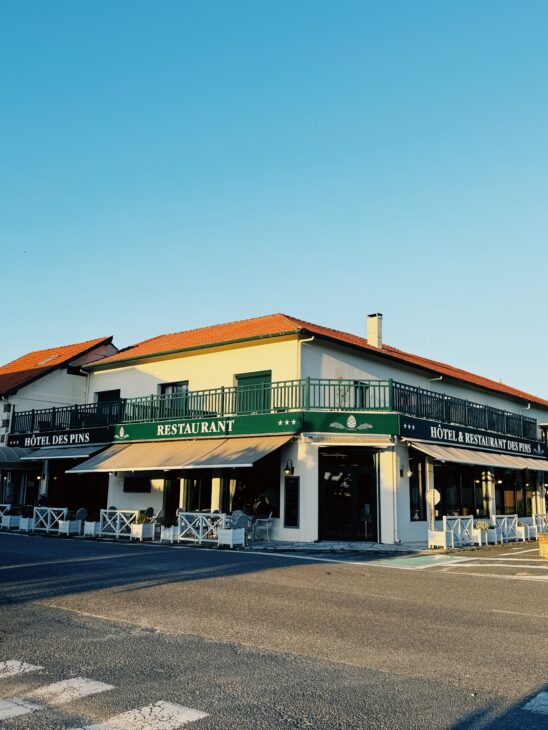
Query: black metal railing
(289, 395)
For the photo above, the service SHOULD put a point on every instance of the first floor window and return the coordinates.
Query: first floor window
(417, 489)
(137, 484)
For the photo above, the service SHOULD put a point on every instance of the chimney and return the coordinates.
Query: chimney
(374, 330)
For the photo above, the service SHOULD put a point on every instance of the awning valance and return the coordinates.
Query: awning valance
(63, 452)
(195, 454)
(457, 455)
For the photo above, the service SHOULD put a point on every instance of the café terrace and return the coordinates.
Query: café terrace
(323, 434)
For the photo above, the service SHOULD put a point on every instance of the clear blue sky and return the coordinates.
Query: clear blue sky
(168, 165)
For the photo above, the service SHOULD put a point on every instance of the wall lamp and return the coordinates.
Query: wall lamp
(289, 469)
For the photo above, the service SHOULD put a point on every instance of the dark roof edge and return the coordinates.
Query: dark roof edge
(95, 366)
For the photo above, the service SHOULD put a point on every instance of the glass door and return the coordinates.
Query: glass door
(348, 495)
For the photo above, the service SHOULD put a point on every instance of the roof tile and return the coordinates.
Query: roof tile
(276, 324)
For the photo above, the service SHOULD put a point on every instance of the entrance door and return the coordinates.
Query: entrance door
(348, 494)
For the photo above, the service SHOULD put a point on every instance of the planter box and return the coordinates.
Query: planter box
(142, 532)
(171, 534)
(230, 537)
(10, 522)
(92, 529)
(70, 527)
(542, 538)
(26, 524)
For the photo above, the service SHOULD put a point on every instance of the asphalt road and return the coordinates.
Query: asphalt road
(251, 640)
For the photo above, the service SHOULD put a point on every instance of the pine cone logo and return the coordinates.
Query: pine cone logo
(351, 422)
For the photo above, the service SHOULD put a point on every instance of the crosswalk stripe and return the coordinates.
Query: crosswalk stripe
(13, 667)
(159, 716)
(538, 704)
(58, 693)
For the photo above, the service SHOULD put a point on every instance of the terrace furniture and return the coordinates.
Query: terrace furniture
(231, 536)
(262, 525)
(506, 527)
(26, 524)
(168, 533)
(142, 531)
(117, 522)
(46, 519)
(456, 532)
(92, 529)
(10, 522)
(74, 526)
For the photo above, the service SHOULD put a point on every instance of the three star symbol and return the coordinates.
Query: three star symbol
(293, 422)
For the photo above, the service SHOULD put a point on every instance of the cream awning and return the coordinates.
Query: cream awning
(195, 454)
(465, 456)
(526, 462)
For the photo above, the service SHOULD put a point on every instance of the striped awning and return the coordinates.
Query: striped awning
(189, 454)
(456, 455)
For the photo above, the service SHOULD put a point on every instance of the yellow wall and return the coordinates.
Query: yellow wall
(209, 368)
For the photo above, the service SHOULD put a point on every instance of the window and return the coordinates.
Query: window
(137, 484)
(513, 491)
(463, 490)
(172, 388)
(107, 396)
(291, 502)
(254, 391)
(417, 489)
(175, 402)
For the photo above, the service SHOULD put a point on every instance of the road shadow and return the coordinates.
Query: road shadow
(514, 717)
(34, 568)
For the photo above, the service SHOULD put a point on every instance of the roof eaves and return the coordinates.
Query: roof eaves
(46, 371)
(100, 365)
(526, 398)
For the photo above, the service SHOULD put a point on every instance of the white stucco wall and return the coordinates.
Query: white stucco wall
(134, 500)
(210, 368)
(323, 360)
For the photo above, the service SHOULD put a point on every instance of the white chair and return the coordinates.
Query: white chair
(262, 525)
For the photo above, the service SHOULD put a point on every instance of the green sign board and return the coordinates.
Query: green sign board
(359, 424)
(221, 427)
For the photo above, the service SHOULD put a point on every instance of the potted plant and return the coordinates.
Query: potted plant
(142, 528)
(481, 532)
(26, 521)
(92, 526)
(10, 521)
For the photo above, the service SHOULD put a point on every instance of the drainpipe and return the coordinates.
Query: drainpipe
(299, 355)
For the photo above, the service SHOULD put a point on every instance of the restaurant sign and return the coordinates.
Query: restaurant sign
(271, 423)
(80, 437)
(471, 438)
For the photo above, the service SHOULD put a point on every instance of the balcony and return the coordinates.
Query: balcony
(310, 394)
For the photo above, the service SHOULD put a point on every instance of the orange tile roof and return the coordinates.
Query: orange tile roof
(35, 364)
(276, 324)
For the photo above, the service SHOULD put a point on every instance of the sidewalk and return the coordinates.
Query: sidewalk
(338, 547)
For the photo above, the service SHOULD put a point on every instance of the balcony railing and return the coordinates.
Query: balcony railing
(288, 395)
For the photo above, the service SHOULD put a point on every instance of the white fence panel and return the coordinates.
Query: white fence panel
(4, 509)
(540, 523)
(507, 527)
(117, 522)
(46, 519)
(199, 527)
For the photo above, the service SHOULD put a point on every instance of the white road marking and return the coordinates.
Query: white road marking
(13, 667)
(58, 693)
(535, 578)
(516, 551)
(159, 716)
(68, 690)
(376, 562)
(17, 566)
(519, 613)
(538, 704)
(477, 564)
(16, 708)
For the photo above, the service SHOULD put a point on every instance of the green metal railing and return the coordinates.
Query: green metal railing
(315, 394)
